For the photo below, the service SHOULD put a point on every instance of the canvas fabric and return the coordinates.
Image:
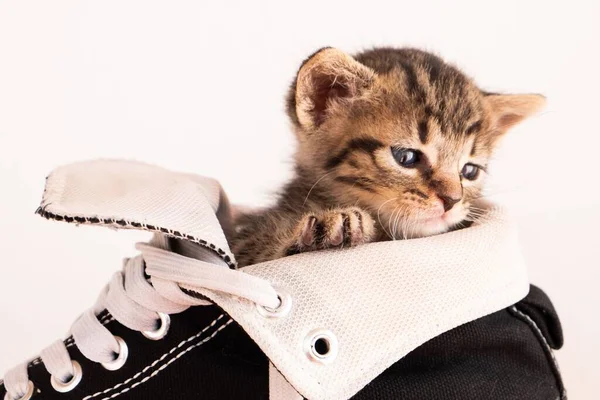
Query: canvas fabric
(380, 301)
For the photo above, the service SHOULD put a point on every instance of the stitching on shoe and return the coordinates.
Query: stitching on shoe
(106, 319)
(170, 361)
(137, 225)
(163, 357)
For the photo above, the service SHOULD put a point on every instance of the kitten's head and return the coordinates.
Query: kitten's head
(400, 133)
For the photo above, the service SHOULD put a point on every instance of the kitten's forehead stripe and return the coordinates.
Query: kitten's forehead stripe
(435, 66)
(441, 91)
(366, 145)
(474, 148)
(423, 132)
(474, 128)
(412, 81)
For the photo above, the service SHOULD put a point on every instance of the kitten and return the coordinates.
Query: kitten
(392, 144)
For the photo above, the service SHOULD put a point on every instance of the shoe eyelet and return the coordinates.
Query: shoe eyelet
(28, 395)
(162, 330)
(321, 346)
(283, 309)
(119, 361)
(64, 387)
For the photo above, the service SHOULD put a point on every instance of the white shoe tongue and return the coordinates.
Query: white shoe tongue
(133, 195)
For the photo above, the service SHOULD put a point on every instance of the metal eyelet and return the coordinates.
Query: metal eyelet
(283, 309)
(64, 387)
(321, 346)
(28, 395)
(162, 330)
(119, 361)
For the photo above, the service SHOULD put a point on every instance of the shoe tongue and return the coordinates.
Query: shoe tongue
(132, 195)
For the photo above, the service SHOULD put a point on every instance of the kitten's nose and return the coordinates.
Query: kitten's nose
(448, 201)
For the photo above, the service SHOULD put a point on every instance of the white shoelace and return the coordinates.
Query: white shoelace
(135, 303)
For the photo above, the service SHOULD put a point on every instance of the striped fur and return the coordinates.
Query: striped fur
(349, 114)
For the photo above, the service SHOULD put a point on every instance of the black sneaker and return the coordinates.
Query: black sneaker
(444, 317)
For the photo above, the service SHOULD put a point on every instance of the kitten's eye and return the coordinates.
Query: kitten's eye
(408, 158)
(470, 172)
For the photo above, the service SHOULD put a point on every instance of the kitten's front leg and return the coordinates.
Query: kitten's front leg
(344, 227)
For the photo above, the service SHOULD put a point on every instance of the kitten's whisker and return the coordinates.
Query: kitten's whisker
(313, 186)
(404, 226)
(395, 220)
(403, 219)
(379, 217)
(476, 214)
(414, 223)
(399, 219)
(393, 236)
(394, 230)
(478, 211)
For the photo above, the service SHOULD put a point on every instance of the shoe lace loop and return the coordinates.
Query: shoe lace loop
(134, 300)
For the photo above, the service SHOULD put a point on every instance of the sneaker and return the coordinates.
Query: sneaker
(445, 317)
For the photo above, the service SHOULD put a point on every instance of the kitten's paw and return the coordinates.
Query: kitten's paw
(335, 228)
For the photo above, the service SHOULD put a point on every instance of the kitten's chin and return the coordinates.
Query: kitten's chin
(428, 227)
(436, 225)
(424, 223)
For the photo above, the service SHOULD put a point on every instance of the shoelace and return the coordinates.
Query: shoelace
(138, 305)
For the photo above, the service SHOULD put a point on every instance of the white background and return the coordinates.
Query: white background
(199, 86)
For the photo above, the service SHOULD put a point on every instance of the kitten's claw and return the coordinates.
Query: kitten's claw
(335, 228)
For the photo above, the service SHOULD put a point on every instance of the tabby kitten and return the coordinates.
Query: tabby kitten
(392, 144)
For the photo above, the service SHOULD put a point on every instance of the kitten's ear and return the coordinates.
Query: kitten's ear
(326, 80)
(508, 110)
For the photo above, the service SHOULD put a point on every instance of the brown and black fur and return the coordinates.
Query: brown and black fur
(348, 114)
